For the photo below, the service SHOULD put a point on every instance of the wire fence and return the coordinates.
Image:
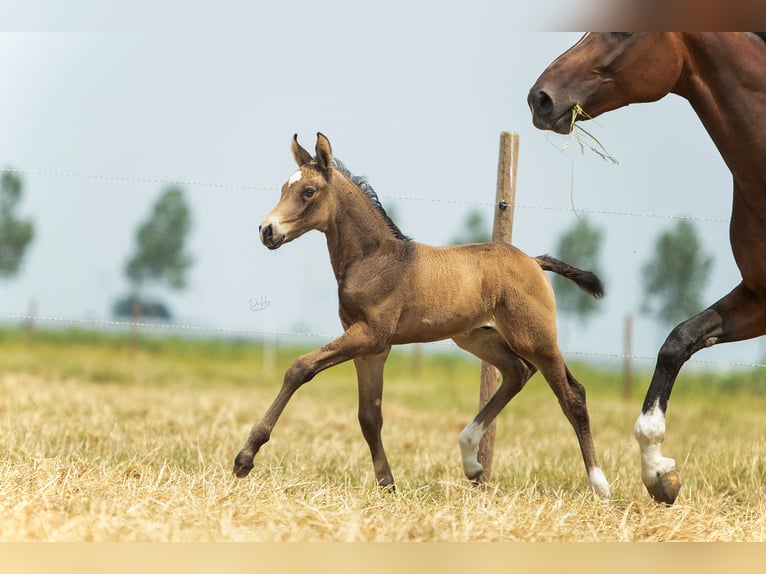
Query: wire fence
(270, 333)
(253, 187)
(162, 326)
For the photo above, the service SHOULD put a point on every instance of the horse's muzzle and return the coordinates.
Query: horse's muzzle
(545, 115)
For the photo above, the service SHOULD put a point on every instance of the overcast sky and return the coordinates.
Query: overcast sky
(414, 96)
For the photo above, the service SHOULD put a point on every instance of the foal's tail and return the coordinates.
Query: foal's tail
(585, 280)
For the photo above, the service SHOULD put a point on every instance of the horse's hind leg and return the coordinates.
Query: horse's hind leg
(571, 396)
(369, 372)
(488, 345)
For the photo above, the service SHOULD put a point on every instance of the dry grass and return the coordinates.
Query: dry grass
(116, 461)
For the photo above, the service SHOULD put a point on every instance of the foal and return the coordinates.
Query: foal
(491, 299)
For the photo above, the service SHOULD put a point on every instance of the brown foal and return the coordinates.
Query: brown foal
(491, 299)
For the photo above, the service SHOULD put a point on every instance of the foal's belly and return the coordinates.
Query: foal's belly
(435, 323)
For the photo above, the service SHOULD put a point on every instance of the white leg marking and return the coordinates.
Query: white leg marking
(650, 432)
(598, 483)
(469, 447)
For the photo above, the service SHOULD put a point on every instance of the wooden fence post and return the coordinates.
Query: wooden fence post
(505, 202)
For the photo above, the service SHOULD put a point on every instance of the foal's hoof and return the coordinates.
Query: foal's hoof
(665, 489)
(243, 464)
(387, 487)
(477, 478)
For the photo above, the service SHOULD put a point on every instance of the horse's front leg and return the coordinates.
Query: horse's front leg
(357, 340)
(369, 373)
(738, 316)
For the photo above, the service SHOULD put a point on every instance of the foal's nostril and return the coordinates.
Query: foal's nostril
(267, 233)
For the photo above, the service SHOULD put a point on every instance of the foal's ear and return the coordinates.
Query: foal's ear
(324, 154)
(302, 157)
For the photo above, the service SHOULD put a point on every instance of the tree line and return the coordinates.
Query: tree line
(159, 258)
(673, 279)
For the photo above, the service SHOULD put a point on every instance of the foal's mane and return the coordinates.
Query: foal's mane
(362, 183)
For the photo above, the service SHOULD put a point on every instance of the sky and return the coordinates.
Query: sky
(412, 95)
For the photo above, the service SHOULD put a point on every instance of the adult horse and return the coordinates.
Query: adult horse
(491, 299)
(723, 76)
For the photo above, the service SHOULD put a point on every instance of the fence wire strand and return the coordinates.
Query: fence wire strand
(447, 201)
(159, 326)
(273, 333)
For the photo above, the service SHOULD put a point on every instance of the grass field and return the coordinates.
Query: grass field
(105, 442)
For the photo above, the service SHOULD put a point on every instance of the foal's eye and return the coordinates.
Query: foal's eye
(622, 34)
(309, 192)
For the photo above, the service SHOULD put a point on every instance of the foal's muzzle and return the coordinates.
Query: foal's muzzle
(269, 237)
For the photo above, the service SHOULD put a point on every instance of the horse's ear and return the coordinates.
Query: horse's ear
(302, 157)
(324, 154)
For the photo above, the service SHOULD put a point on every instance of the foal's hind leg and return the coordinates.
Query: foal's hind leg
(488, 345)
(571, 396)
(369, 373)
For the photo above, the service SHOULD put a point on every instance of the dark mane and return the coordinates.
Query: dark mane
(761, 35)
(362, 183)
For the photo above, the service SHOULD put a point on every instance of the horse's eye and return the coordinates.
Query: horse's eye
(623, 34)
(309, 192)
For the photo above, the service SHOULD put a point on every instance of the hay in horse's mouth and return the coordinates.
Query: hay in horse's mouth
(576, 129)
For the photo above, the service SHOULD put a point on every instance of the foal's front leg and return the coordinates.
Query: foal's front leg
(369, 374)
(357, 340)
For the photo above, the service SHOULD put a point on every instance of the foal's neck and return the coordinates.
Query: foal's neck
(356, 231)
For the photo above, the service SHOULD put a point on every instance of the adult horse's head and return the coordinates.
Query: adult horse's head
(305, 203)
(605, 71)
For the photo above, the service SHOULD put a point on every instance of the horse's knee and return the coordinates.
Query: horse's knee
(301, 371)
(370, 421)
(677, 348)
(685, 339)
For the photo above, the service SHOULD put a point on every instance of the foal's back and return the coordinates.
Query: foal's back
(448, 291)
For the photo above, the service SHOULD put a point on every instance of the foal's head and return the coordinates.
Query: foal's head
(305, 203)
(320, 192)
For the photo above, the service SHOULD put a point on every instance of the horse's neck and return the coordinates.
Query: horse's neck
(725, 86)
(356, 232)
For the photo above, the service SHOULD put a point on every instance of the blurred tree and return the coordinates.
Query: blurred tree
(674, 278)
(161, 240)
(15, 234)
(579, 246)
(476, 230)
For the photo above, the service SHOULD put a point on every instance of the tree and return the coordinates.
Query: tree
(476, 230)
(160, 255)
(674, 278)
(15, 234)
(579, 246)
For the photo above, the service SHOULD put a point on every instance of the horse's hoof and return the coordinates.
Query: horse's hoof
(665, 489)
(242, 465)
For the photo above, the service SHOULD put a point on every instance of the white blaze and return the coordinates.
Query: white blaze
(295, 178)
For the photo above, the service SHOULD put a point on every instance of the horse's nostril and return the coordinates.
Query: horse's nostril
(266, 232)
(543, 103)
